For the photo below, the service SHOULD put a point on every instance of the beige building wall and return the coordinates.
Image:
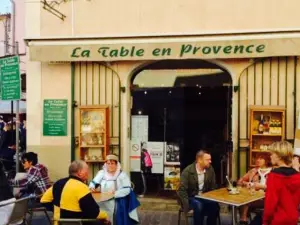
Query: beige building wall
(96, 18)
(133, 18)
(47, 81)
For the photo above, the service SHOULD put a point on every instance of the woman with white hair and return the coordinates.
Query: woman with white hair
(113, 180)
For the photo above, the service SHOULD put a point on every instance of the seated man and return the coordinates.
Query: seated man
(71, 197)
(37, 180)
(197, 178)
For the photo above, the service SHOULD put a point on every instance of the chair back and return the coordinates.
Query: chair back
(68, 222)
(19, 211)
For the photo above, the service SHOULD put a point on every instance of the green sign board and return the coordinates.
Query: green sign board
(55, 119)
(10, 78)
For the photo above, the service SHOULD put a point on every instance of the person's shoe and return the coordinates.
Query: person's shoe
(243, 223)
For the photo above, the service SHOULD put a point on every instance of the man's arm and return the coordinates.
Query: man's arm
(32, 177)
(47, 199)
(213, 179)
(183, 190)
(90, 208)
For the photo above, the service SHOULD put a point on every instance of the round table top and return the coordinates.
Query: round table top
(102, 197)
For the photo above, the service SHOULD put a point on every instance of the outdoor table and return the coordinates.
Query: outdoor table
(102, 197)
(222, 196)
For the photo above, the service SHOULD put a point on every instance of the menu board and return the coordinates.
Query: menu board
(139, 128)
(55, 118)
(10, 78)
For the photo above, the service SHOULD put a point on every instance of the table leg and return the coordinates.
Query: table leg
(233, 215)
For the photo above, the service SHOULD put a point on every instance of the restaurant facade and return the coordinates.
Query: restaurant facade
(80, 58)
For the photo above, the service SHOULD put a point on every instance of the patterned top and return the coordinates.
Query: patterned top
(253, 176)
(37, 178)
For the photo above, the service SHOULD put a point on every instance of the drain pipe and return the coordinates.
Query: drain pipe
(13, 16)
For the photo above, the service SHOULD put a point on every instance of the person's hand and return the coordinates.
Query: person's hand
(92, 189)
(248, 185)
(259, 186)
(112, 192)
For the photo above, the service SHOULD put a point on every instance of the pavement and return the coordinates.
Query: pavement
(147, 217)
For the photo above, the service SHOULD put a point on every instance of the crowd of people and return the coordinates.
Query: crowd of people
(8, 142)
(276, 173)
(71, 197)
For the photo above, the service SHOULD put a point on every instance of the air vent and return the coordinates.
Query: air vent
(59, 62)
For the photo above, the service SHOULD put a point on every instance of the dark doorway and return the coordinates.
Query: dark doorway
(195, 113)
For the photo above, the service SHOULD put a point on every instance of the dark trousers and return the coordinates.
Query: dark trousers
(201, 208)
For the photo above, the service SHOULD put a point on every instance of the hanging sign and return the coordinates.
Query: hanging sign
(10, 78)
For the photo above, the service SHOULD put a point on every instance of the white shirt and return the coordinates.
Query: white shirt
(201, 175)
(263, 175)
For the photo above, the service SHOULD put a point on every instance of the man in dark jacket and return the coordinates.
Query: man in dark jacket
(196, 179)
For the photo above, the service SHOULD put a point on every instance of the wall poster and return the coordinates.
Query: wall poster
(139, 127)
(152, 154)
(171, 177)
(172, 154)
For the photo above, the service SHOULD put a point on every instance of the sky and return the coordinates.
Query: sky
(4, 6)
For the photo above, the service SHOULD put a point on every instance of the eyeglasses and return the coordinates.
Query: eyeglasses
(109, 163)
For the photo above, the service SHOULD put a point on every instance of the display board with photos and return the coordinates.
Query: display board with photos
(172, 154)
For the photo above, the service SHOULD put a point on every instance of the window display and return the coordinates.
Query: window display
(267, 125)
(94, 133)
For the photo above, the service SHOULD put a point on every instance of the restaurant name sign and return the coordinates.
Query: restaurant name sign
(182, 51)
(234, 46)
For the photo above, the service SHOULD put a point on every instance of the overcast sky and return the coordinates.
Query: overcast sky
(4, 6)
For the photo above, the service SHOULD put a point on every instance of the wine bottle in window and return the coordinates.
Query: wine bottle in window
(261, 124)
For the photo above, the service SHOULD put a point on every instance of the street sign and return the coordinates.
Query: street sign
(10, 78)
(55, 119)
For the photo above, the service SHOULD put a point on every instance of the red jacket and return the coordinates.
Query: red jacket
(282, 197)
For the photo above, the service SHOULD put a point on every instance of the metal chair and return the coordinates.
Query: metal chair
(19, 210)
(188, 214)
(36, 207)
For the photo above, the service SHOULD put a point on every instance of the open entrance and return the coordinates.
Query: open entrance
(187, 106)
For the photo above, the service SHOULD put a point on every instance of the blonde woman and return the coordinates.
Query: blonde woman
(283, 187)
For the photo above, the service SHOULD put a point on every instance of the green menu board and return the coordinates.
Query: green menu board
(10, 78)
(55, 119)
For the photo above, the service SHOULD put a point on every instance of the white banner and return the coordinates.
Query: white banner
(139, 128)
(156, 151)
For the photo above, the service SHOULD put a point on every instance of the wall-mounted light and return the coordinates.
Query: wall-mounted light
(140, 112)
(145, 92)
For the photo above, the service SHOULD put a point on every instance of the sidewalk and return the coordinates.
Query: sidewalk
(147, 217)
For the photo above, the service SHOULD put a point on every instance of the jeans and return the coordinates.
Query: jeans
(201, 208)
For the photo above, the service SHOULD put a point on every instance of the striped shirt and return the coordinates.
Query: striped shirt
(37, 179)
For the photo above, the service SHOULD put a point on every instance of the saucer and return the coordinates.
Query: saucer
(234, 192)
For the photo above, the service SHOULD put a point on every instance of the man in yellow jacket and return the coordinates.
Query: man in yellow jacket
(72, 198)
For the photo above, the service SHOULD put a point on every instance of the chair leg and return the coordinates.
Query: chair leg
(30, 218)
(186, 220)
(219, 219)
(179, 217)
(48, 217)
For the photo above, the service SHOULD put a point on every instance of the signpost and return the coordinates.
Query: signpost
(10, 88)
(10, 78)
(55, 119)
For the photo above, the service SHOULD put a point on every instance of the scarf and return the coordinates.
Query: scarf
(108, 176)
